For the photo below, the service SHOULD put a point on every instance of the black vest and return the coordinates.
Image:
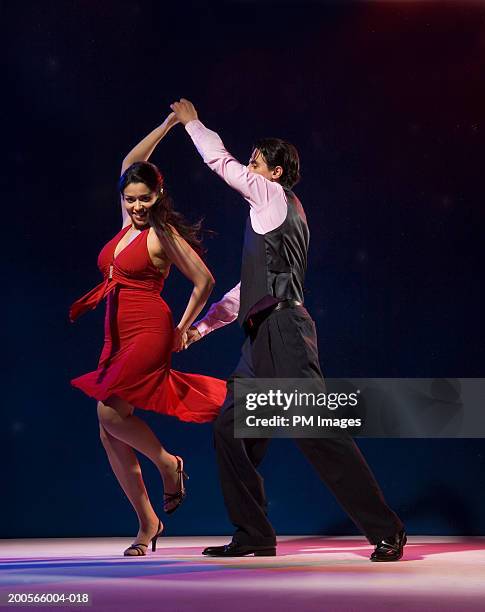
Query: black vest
(274, 264)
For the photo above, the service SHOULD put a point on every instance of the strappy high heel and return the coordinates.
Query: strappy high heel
(141, 552)
(180, 495)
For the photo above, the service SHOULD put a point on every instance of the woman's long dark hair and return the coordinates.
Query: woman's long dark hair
(162, 212)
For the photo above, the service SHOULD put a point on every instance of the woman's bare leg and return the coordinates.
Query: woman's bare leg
(117, 418)
(127, 470)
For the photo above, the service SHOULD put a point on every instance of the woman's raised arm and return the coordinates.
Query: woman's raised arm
(143, 150)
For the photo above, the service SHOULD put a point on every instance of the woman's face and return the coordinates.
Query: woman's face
(138, 198)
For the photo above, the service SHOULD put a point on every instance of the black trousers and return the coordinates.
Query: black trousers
(285, 346)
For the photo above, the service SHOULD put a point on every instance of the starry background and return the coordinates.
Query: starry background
(385, 103)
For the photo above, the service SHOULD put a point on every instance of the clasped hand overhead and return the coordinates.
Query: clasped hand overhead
(184, 111)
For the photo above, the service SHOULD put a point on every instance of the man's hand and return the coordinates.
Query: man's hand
(184, 111)
(192, 335)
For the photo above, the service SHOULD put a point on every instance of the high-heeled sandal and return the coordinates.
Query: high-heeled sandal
(141, 552)
(179, 496)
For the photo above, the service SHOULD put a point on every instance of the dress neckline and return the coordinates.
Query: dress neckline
(124, 232)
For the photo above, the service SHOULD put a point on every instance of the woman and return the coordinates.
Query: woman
(134, 367)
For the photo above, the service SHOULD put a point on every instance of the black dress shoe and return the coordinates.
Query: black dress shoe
(390, 549)
(239, 550)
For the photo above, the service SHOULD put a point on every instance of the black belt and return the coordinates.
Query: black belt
(252, 323)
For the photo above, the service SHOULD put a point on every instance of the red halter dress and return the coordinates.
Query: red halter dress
(138, 334)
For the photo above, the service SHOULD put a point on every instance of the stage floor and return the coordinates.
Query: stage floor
(308, 573)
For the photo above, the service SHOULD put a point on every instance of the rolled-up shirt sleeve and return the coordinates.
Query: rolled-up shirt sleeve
(266, 198)
(220, 313)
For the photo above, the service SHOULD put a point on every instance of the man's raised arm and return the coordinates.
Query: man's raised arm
(257, 190)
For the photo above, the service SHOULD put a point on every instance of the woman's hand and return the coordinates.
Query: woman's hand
(179, 339)
(170, 121)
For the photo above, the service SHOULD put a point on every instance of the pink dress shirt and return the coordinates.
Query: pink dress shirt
(268, 209)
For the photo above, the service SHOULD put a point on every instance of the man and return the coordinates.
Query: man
(280, 343)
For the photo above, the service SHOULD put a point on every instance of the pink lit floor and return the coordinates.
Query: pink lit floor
(309, 573)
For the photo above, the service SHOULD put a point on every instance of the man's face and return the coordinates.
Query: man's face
(257, 165)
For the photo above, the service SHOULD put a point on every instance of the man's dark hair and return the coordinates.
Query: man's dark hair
(278, 152)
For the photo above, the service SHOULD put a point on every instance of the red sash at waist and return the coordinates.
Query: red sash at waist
(94, 297)
(91, 299)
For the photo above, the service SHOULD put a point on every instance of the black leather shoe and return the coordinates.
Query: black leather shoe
(238, 550)
(390, 549)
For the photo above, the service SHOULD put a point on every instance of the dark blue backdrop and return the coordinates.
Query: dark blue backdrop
(385, 103)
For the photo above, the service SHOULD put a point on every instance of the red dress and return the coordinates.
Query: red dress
(135, 360)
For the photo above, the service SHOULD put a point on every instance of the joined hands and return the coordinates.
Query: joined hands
(182, 340)
(184, 111)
